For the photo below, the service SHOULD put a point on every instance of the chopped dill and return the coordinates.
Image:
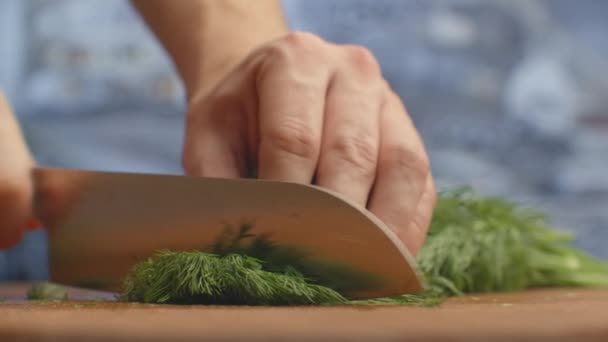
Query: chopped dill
(204, 278)
(47, 292)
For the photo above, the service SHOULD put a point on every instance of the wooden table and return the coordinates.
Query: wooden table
(539, 315)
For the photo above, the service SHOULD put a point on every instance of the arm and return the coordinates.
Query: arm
(206, 38)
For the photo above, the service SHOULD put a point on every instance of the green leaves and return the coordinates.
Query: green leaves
(341, 277)
(488, 244)
(47, 292)
(475, 244)
(492, 245)
(204, 278)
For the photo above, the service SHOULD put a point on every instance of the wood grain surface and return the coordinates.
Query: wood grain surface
(538, 315)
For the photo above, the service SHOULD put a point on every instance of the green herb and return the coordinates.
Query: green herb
(475, 244)
(430, 298)
(204, 278)
(47, 292)
(488, 244)
(340, 277)
(492, 245)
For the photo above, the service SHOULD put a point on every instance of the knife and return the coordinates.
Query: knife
(101, 223)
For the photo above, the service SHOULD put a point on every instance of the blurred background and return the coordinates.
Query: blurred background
(511, 96)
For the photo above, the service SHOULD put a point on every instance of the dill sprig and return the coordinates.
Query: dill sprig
(341, 277)
(488, 244)
(475, 244)
(203, 278)
(432, 297)
(46, 291)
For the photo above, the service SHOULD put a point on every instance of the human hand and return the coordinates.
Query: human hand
(15, 182)
(300, 109)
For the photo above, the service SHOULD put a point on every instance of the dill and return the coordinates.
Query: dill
(203, 278)
(489, 244)
(47, 292)
(492, 245)
(475, 244)
(340, 277)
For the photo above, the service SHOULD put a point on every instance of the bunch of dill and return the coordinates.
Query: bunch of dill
(475, 244)
(489, 244)
(204, 278)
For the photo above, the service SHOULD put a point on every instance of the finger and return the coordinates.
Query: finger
(15, 182)
(291, 95)
(349, 150)
(219, 126)
(222, 127)
(416, 233)
(213, 144)
(402, 171)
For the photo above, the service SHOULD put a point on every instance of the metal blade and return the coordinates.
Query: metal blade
(101, 223)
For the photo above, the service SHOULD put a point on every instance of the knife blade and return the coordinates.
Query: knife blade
(101, 223)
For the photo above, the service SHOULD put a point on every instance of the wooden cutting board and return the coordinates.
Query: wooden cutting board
(539, 315)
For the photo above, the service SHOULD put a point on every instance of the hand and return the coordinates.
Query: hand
(15, 183)
(300, 109)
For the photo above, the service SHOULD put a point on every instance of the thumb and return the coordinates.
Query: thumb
(15, 183)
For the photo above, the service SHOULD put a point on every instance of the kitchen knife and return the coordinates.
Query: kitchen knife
(101, 223)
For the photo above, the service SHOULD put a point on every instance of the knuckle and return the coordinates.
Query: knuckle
(405, 160)
(291, 47)
(302, 40)
(363, 59)
(293, 137)
(359, 151)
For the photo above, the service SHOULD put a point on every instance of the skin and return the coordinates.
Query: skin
(15, 184)
(282, 105)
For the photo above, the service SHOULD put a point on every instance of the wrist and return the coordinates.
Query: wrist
(227, 33)
(201, 74)
(206, 38)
